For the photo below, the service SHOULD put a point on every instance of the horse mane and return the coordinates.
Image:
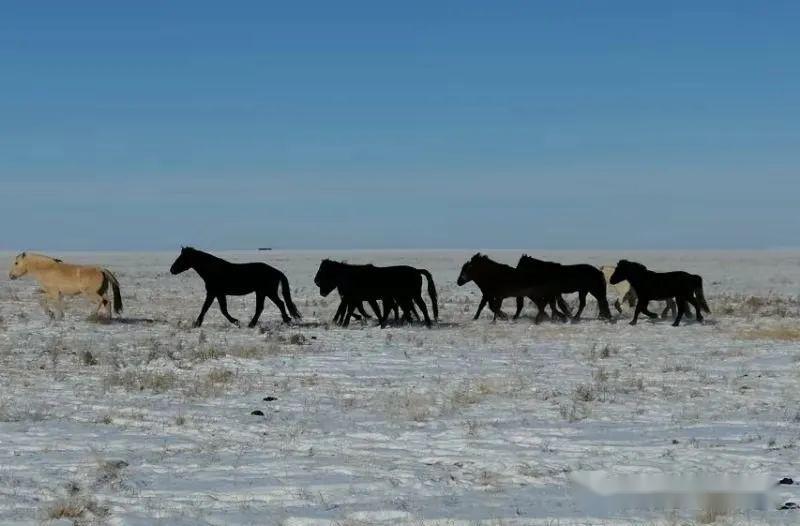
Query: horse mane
(345, 264)
(526, 257)
(486, 260)
(40, 256)
(195, 252)
(632, 264)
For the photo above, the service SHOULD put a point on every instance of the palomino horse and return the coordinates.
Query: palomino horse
(59, 279)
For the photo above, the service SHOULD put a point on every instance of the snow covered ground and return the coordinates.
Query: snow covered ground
(148, 421)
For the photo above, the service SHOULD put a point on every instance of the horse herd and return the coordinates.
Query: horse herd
(397, 288)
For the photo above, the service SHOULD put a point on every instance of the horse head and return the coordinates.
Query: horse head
(625, 269)
(183, 262)
(465, 276)
(326, 277)
(19, 267)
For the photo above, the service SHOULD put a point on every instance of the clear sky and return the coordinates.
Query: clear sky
(413, 124)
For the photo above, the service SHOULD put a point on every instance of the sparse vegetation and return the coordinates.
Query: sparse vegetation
(141, 379)
(81, 509)
(783, 333)
(476, 407)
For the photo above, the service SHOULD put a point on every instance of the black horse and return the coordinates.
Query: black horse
(498, 281)
(564, 279)
(223, 278)
(649, 285)
(397, 285)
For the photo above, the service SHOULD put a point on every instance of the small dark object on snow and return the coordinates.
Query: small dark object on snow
(269, 398)
(786, 481)
(790, 506)
(257, 412)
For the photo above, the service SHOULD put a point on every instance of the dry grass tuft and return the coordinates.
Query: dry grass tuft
(204, 353)
(140, 380)
(783, 333)
(81, 509)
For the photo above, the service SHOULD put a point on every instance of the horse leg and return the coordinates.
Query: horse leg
(687, 312)
(669, 307)
(348, 313)
(421, 304)
(602, 303)
(206, 304)
(278, 303)
(362, 312)
(259, 308)
(618, 306)
(681, 309)
(373, 304)
(520, 304)
(351, 306)
(411, 311)
(339, 316)
(53, 305)
(44, 302)
(640, 306)
(407, 306)
(649, 313)
(481, 305)
(107, 305)
(696, 305)
(383, 319)
(541, 305)
(562, 316)
(581, 305)
(496, 304)
(58, 301)
(102, 303)
(222, 300)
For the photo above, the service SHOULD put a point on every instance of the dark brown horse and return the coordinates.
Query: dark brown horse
(649, 285)
(498, 281)
(564, 279)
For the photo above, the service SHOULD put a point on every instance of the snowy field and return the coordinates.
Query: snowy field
(148, 421)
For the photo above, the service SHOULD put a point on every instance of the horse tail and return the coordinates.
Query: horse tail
(287, 297)
(115, 287)
(431, 292)
(563, 305)
(701, 299)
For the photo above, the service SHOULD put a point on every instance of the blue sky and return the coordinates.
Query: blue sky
(408, 124)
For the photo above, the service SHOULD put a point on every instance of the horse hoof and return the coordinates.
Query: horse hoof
(238, 325)
(632, 323)
(251, 325)
(676, 324)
